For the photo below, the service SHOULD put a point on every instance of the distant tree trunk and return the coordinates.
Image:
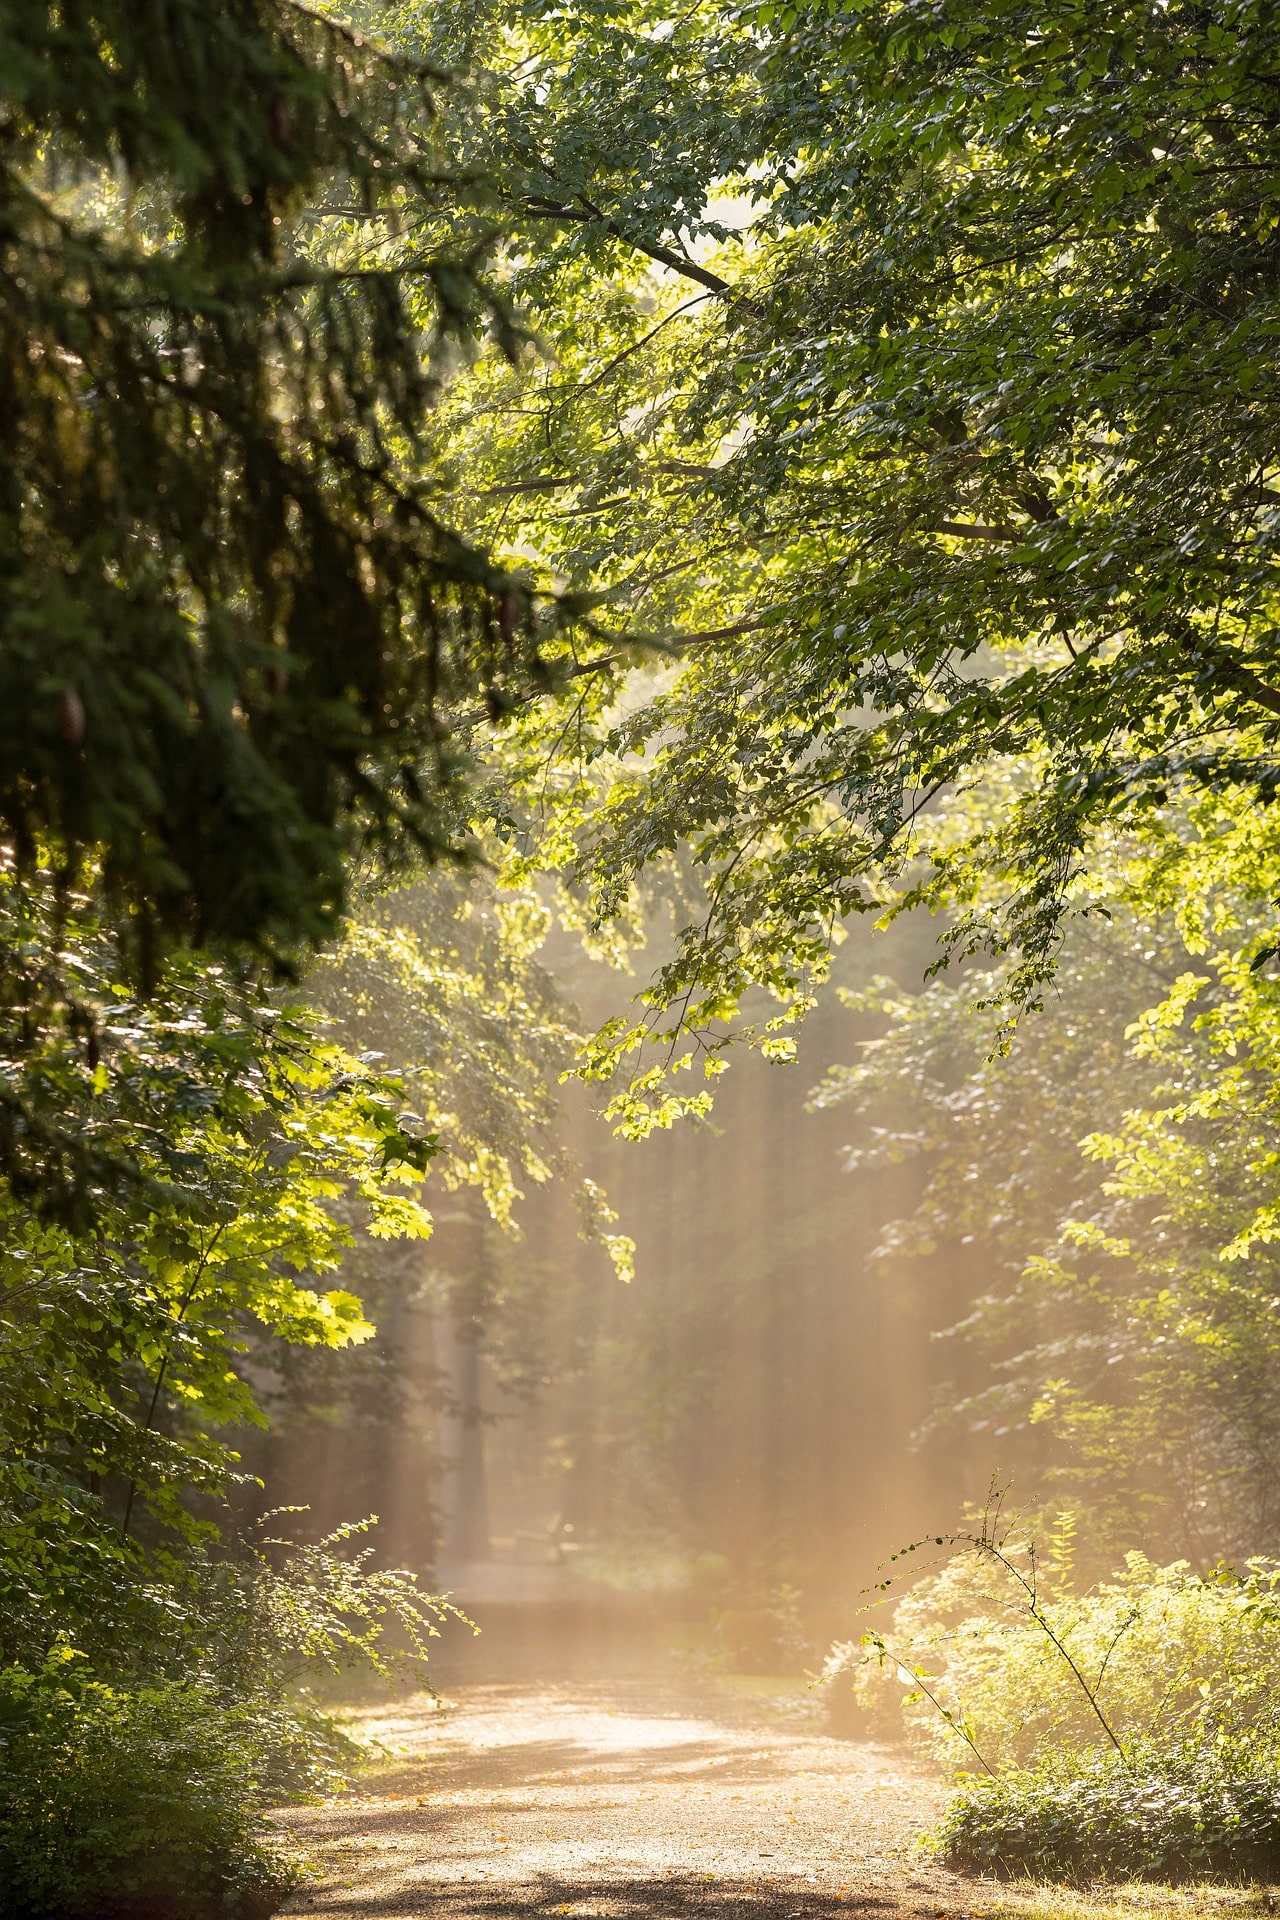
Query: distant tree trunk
(466, 1489)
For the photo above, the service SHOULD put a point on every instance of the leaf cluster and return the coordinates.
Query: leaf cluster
(922, 413)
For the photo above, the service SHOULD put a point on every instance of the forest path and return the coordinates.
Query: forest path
(619, 1803)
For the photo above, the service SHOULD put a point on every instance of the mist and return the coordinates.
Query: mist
(726, 1448)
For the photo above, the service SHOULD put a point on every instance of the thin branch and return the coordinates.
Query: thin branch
(546, 209)
(951, 1719)
(184, 1304)
(575, 387)
(678, 641)
(545, 483)
(987, 1545)
(974, 530)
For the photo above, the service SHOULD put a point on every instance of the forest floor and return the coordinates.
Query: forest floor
(624, 1803)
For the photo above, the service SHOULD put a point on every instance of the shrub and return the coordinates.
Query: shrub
(1161, 1653)
(1131, 1731)
(134, 1790)
(1157, 1815)
(135, 1804)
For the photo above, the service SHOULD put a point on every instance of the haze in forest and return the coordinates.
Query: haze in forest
(639, 972)
(749, 1414)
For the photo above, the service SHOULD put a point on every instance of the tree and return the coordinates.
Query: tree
(237, 627)
(242, 651)
(1112, 1183)
(240, 1131)
(923, 409)
(444, 984)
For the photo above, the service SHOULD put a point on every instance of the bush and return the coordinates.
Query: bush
(133, 1788)
(1130, 1731)
(1095, 1815)
(133, 1804)
(1165, 1655)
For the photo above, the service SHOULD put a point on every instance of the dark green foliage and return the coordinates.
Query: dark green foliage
(131, 1805)
(233, 625)
(1199, 1814)
(133, 1786)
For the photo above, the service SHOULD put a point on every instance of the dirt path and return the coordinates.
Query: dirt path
(615, 1803)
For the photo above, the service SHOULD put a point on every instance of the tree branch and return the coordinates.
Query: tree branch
(974, 530)
(665, 256)
(1236, 674)
(545, 483)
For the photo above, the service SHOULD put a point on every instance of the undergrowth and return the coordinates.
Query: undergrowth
(135, 1788)
(1098, 1815)
(1126, 1732)
(135, 1804)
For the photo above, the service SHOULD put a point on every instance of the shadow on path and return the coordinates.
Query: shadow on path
(578, 1802)
(670, 1898)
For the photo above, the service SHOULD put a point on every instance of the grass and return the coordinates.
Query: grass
(1139, 1901)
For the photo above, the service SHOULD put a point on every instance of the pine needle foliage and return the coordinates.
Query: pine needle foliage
(234, 625)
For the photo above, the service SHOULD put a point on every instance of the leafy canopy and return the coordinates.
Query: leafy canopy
(906, 370)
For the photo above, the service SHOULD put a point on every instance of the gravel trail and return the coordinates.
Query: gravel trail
(619, 1804)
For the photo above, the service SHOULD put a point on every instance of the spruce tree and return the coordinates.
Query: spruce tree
(234, 621)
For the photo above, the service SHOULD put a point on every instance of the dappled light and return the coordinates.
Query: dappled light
(639, 968)
(615, 1800)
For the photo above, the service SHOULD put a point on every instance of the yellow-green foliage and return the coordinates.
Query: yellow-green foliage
(1168, 1656)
